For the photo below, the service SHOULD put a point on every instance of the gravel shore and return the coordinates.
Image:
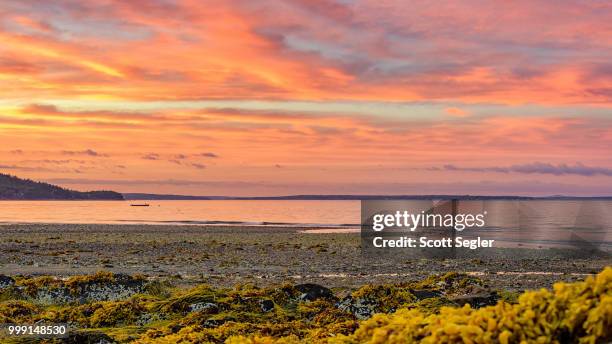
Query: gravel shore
(228, 255)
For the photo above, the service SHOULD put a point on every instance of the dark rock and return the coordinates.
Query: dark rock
(477, 300)
(6, 281)
(425, 294)
(266, 305)
(311, 292)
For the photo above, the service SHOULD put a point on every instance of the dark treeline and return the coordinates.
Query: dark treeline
(13, 188)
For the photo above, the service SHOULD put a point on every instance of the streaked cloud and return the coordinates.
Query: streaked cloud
(151, 156)
(359, 94)
(87, 152)
(537, 167)
(278, 50)
(38, 169)
(208, 155)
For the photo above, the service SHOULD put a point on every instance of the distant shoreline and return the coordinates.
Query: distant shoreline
(162, 197)
(13, 188)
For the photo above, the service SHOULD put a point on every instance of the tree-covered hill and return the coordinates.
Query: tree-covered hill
(13, 188)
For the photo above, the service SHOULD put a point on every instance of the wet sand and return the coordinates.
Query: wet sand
(228, 255)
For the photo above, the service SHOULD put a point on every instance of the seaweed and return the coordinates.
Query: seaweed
(17, 311)
(32, 285)
(418, 311)
(578, 312)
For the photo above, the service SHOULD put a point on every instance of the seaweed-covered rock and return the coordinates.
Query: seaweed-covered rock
(100, 314)
(579, 312)
(111, 313)
(146, 318)
(432, 305)
(422, 294)
(51, 295)
(410, 312)
(361, 308)
(105, 287)
(102, 286)
(211, 323)
(451, 283)
(183, 302)
(367, 300)
(16, 311)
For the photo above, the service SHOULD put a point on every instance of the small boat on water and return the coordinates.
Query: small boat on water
(139, 205)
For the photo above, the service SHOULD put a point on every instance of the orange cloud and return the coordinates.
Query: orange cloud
(464, 72)
(241, 51)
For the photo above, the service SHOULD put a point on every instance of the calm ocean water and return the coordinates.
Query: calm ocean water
(311, 213)
(530, 222)
(538, 221)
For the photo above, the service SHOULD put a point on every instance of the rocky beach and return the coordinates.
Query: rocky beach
(253, 284)
(226, 255)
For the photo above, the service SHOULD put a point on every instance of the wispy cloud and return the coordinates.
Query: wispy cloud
(208, 155)
(181, 159)
(31, 168)
(151, 156)
(55, 161)
(86, 152)
(536, 167)
(277, 50)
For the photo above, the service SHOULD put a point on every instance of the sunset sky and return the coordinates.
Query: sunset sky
(308, 96)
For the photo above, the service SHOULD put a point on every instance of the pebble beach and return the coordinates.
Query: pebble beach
(227, 255)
